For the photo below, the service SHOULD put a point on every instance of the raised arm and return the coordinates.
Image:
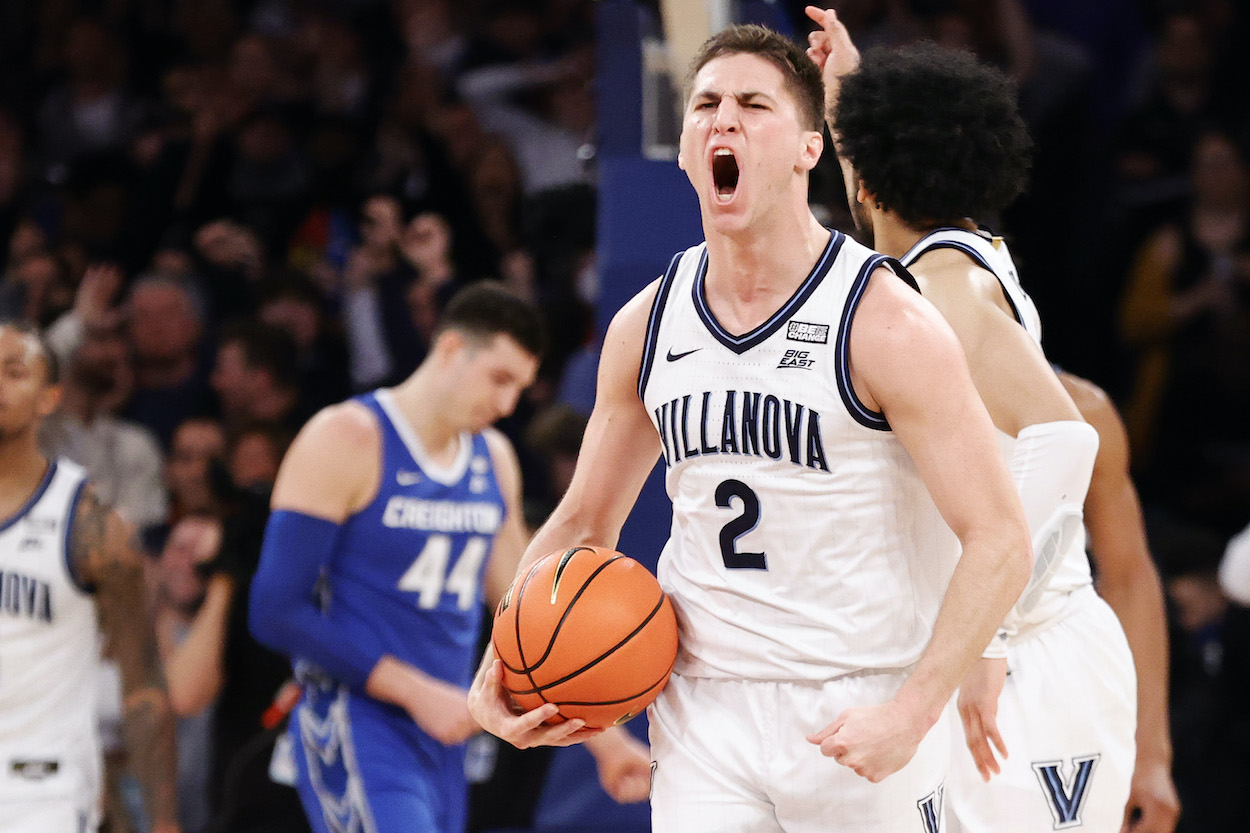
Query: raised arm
(1129, 581)
(906, 362)
(105, 555)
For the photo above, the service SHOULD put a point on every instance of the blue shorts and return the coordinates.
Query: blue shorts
(364, 767)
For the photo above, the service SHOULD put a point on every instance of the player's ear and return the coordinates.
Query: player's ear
(863, 196)
(49, 400)
(449, 343)
(813, 146)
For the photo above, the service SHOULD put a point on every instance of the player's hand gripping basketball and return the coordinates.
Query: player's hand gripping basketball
(493, 708)
(874, 741)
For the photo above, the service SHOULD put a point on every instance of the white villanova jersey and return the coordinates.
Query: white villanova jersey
(804, 545)
(991, 254)
(48, 652)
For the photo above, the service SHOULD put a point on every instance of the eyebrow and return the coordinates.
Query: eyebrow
(743, 96)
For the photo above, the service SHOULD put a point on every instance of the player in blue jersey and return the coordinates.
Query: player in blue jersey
(395, 514)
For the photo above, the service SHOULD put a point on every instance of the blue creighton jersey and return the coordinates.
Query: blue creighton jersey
(407, 570)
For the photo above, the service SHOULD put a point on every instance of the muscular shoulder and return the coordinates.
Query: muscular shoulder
(1099, 411)
(895, 335)
(1096, 408)
(331, 469)
(629, 325)
(623, 343)
(347, 425)
(960, 287)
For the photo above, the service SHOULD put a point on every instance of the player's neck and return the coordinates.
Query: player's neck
(764, 261)
(22, 468)
(416, 397)
(893, 237)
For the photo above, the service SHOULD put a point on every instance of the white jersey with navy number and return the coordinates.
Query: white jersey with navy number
(991, 253)
(48, 652)
(804, 545)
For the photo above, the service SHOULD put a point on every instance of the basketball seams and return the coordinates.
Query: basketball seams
(526, 669)
(516, 622)
(603, 609)
(659, 605)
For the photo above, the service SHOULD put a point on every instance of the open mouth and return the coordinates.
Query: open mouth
(724, 172)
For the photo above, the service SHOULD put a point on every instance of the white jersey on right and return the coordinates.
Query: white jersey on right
(1073, 570)
(804, 545)
(48, 652)
(991, 253)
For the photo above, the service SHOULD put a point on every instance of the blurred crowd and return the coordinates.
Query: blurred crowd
(227, 214)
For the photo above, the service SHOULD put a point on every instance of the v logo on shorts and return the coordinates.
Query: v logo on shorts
(930, 808)
(1066, 796)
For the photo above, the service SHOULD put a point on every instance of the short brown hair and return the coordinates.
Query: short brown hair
(802, 77)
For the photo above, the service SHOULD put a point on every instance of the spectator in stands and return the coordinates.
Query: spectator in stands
(166, 329)
(122, 458)
(197, 443)
(256, 377)
(188, 611)
(295, 305)
(1186, 309)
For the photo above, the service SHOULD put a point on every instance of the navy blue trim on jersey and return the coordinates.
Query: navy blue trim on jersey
(33, 499)
(860, 412)
(741, 344)
(72, 516)
(903, 272)
(971, 252)
(653, 323)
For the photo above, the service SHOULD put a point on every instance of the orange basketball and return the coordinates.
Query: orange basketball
(588, 629)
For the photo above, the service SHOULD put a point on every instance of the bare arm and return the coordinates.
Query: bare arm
(1128, 580)
(618, 451)
(195, 666)
(105, 555)
(330, 472)
(1010, 372)
(906, 362)
(511, 539)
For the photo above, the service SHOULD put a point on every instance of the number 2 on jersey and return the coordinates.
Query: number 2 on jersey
(739, 526)
(429, 578)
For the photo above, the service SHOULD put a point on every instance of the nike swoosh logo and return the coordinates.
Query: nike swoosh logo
(407, 478)
(672, 357)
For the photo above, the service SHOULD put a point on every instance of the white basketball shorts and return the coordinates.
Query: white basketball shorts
(732, 756)
(1068, 714)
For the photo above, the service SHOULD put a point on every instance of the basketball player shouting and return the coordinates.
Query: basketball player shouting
(391, 512)
(814, 415)
(1067, 711)
(69, 574)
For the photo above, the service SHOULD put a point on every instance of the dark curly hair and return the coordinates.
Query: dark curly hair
(802, 77)
(934, 134)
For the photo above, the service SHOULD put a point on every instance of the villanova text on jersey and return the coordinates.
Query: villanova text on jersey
(25, 597)
(740, 422)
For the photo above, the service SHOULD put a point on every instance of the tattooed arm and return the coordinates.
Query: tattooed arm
(105, 556)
